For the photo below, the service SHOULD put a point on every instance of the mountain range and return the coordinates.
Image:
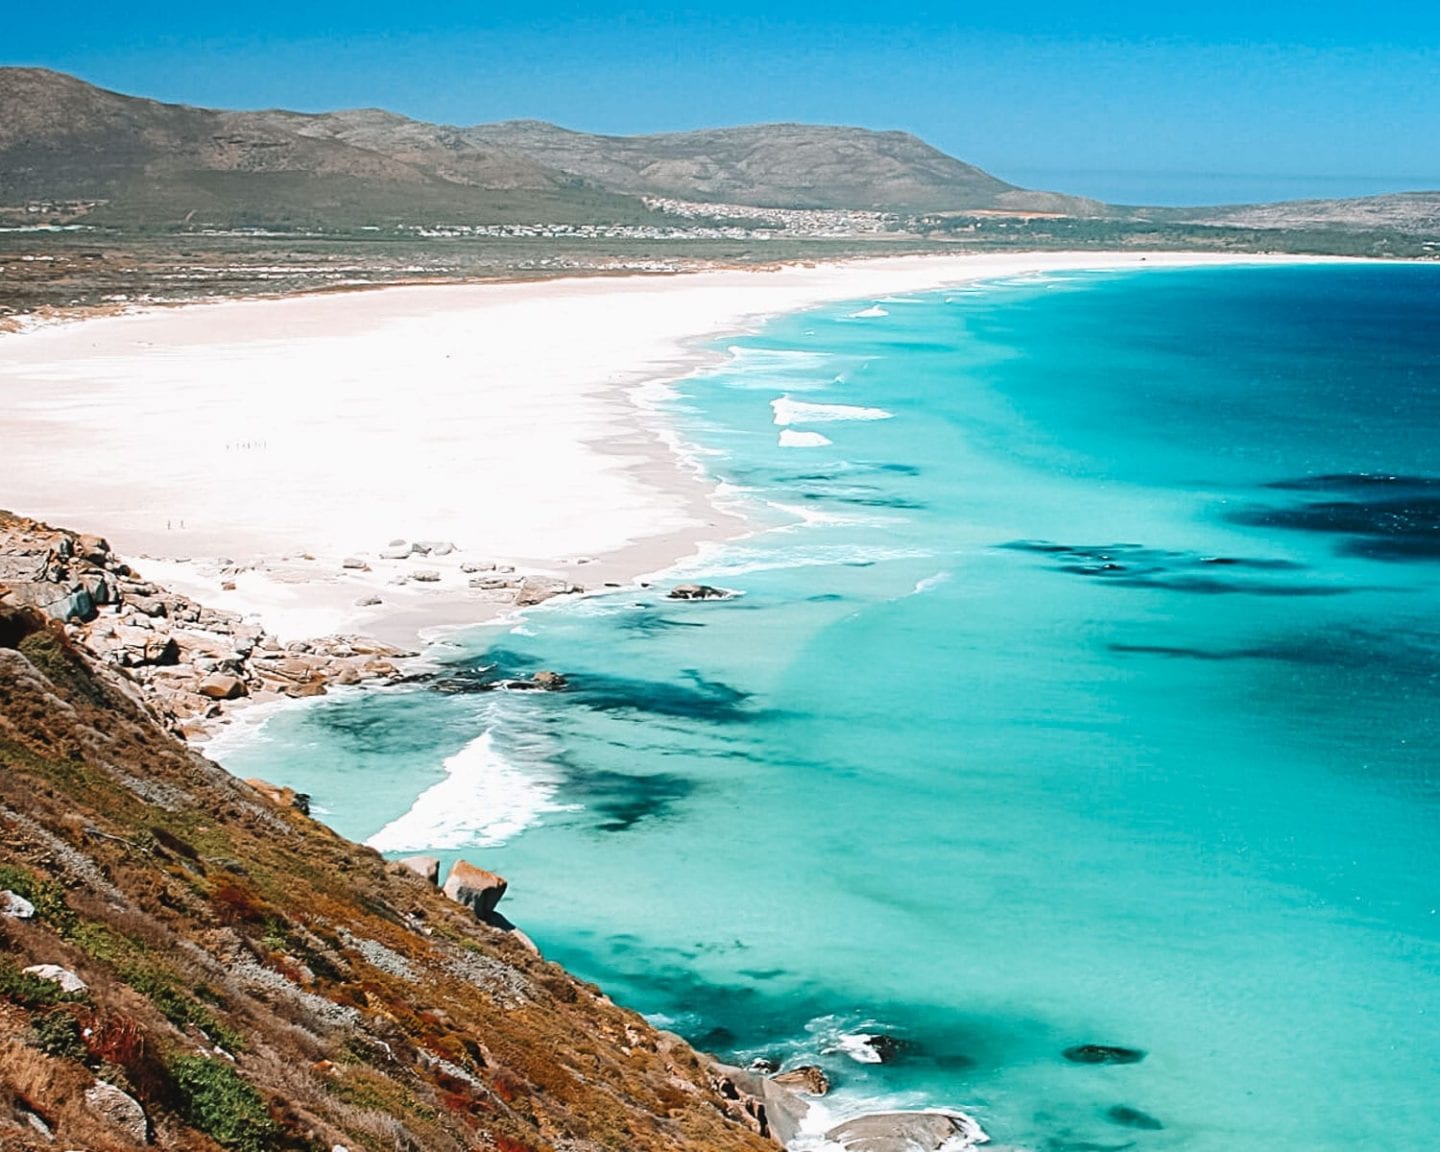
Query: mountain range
(78, 153)
(62, 139)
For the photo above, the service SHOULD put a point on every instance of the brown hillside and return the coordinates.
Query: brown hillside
(254, 981)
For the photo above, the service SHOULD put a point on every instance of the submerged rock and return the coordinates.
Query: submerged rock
(475, 888)
(873, 1047)
(1128, 1117)
(908, 1132)
(1103, 1054)
(550, 681)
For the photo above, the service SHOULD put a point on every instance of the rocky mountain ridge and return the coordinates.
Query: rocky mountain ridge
(124, 159)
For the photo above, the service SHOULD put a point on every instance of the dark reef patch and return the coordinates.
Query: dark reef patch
(1357, 482)
(862, 500)
(1103, 1054)
(700, 699)
(1378, 517)
(1413, 655)
(697, 699)
(650, 622)
(1135, 566)
(1128, 1117)
(623, 800)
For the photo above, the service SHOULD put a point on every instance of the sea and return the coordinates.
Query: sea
(1079, 685)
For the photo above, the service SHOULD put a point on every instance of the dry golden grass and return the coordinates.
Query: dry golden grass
(363, 1007)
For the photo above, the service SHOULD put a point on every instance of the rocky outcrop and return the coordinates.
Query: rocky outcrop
(256, 981)
(807, 1078)
(908, 1132)
(282, 797)
(769, 1109)
(475, 888)
(188, 660)
(697, 592)
(426, 867)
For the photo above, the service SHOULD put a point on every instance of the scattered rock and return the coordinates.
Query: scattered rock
(355, 563)
(13, 906)
(696, 592)
(399, 551)
(368, 601)
(68, 981)
(476, 566)
(221, 686)
(426, 867)
(1102, 1054)
(763, 1066)
(475, 888)
(908, 1132)
(426, 576)
(35, 1122)
(121, 1111)
(807, 1078)
(537, 589)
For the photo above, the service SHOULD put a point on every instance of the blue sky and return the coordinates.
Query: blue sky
(1131, 102)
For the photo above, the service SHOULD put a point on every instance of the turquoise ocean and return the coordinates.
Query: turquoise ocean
(1083, 687)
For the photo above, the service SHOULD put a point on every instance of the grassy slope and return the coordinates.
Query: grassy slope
(258, 982)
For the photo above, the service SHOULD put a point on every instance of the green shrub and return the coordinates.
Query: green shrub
(43, 892)
(214, 1099)
(28, 990)
(58, 1034)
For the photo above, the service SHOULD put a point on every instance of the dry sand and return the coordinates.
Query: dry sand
(522, 422)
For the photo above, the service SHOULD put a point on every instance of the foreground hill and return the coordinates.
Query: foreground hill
(212, 968)
(160, 165)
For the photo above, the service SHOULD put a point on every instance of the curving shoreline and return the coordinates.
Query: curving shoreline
(264, 455)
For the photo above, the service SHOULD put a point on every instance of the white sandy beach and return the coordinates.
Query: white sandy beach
(515, 420)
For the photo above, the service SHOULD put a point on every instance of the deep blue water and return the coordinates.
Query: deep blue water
(1088, 696)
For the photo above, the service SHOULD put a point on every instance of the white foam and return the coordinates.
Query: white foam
(731, 561)
(874, 312)
(789, 438)
(788, 411)
(931, 582)
(483, 801)
(857, 1047)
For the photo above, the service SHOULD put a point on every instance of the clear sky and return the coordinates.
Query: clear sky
(1131, 102)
